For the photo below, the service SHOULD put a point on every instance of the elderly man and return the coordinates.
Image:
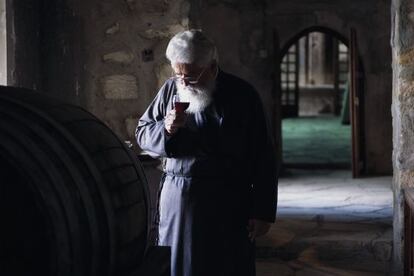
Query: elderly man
(219, 188)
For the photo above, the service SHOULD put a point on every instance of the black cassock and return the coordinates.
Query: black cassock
(220, 170)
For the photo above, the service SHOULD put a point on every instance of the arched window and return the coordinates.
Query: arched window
(314, 66)
(314, 78)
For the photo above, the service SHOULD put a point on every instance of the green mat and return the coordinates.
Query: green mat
(318, 140)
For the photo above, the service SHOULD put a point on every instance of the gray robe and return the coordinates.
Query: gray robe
(220, 170)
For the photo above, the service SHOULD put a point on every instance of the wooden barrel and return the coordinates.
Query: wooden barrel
(73, 197)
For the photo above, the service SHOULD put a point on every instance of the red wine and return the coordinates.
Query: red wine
(181, 106)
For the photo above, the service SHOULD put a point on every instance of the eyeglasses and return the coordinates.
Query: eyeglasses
(189, 80)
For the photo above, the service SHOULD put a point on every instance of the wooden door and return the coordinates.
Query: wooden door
(355, 105)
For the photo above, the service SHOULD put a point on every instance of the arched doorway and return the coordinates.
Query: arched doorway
(319, 101)
(325, 200)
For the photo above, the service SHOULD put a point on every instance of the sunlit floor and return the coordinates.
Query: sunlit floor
(312, 141)
(329, 224)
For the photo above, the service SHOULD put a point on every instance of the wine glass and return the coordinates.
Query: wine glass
(179, 106)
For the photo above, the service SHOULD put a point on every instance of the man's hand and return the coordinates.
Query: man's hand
(174, 120)
(257, 228)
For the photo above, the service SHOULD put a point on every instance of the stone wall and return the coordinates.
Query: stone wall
(124, 46)
(108, 56)
(243, 40)
(250, 35)
(403, 113)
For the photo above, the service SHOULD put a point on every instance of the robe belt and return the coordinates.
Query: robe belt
(230, 180)
(196, 176)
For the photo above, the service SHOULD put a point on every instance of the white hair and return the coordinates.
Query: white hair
(191, 47)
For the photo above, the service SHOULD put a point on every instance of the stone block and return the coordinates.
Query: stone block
(113, 29)
(407, 72)
(405, 178)
(163, 33)
(120, 87)
(121, 57)
(407, 57)
(404, 121)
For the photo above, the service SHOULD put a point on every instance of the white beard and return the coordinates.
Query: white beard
(198, 97)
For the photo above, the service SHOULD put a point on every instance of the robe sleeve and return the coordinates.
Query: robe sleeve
(263, 164)
(150, 132)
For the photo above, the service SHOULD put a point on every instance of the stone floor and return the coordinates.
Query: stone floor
(329, 224)
(312, 141)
